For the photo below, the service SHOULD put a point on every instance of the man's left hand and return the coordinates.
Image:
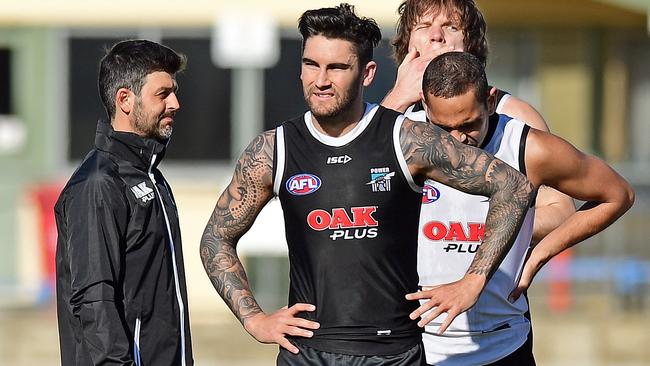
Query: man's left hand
(451, 298)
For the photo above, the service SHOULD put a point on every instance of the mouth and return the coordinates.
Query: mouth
(167, 119)
(323, 96)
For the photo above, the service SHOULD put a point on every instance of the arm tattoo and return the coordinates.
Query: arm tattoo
(236, 209)
(434, 154)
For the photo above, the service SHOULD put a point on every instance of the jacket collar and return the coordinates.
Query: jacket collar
(137, 150)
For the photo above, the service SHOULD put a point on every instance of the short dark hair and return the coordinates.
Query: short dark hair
(341, 23)
(466, 13)
(127, 64)
(455, 73)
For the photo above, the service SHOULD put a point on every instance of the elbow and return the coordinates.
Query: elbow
(628, 197)
(624, 199)
(529, 189)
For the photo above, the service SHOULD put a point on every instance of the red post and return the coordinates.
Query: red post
(45, 196)
(559, 297)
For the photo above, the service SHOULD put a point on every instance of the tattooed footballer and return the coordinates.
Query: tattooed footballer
(349, 175)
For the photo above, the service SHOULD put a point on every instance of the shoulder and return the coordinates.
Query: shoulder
(523, 111)
(423, 141)
(96, 180)
(417, 128)
(548, 155)
(537, 144)
(294, 122)
(260, 151)
(386, 111)
(267, 138)
(97, 169)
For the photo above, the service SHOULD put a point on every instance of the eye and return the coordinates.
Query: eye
(445, 128)
(470, 126)
(453, 28)
(420, 26)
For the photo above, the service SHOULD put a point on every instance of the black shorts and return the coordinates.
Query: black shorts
(312, 357)
(523, 356)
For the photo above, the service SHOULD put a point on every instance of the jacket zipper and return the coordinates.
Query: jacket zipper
(179, 298)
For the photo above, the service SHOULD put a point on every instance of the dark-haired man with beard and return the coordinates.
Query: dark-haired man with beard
(121, 295)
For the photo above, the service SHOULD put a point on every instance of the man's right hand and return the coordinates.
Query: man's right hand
(408, 85)
(273, 328)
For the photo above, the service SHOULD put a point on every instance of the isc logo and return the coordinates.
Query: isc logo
(302, 184)
(338, 159)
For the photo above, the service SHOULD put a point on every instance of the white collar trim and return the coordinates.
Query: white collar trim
(369, 112)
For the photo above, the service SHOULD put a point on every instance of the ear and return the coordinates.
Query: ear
(124, 100)
(423, 101)
(492, 101)
(369, 73)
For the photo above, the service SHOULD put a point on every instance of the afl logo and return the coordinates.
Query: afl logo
(303, 184)
(430, 194)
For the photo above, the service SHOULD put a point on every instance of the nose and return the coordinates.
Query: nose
(437, 34)
(322, 79)
(172, 102)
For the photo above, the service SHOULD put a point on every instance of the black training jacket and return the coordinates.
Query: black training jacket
(121, 294)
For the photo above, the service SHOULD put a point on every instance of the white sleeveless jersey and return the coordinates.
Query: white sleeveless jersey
(450, 232)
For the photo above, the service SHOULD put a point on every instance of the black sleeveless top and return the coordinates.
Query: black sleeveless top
(351, 219)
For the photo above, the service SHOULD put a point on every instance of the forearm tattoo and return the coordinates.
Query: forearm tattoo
(236, 209)
(436, 155)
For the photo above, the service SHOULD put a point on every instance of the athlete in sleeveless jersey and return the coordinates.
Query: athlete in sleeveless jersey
(496, 330)
(450, 231)
(351, 232)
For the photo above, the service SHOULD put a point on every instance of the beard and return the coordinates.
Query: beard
(341, 103)
(150, 126)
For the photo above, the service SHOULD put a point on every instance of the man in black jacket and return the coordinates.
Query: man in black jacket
(121, 294)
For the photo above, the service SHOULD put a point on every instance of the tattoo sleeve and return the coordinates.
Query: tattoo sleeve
(249, 190)
(432, 153)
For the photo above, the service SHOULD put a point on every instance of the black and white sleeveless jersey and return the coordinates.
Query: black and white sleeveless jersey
(351, 213)
(451, 230)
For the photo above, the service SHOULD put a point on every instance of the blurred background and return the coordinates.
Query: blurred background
(583, 63)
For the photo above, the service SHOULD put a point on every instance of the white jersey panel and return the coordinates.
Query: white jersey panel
(416, 113)
(502, 103)
(450, 232)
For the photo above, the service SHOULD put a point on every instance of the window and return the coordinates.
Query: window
(85, 107)
(202, 130)
(5, 81)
